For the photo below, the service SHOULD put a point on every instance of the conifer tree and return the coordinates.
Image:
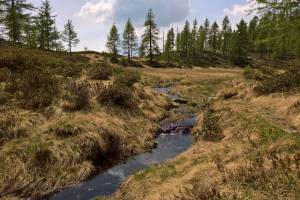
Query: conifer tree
(201, 39)
(226, 30)
(185, 41)
(70, 36)
(129, 40)
(206, 32)
(151, 36)
(170, 44)
(193, 36)
(14, 16)
(46, 25)
(253, 32)
(240, 44)
(213, 36)
(113, 43)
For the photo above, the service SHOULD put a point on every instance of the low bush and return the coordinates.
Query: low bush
(285, 82)
(128, 78)
(101, 72)
(78, 95)
(4, 74)
(117, 94)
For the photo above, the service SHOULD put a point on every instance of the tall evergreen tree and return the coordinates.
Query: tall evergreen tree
(206, 32)
(113, 43)
(14, 16)
(253, 32)
(201, 39)
(70, 36)
(226, 30)
(170, 44)
(213, 36)
(193, 36)
(185, 41)
(151, 36)
(129, 40)
(240, 44)
(46, 25)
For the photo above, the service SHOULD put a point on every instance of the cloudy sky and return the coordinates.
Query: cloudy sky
(93, 18)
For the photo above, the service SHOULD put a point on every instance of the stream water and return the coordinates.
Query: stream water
(169, 146)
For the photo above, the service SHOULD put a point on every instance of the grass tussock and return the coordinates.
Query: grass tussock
(210, 129)
(281, 83)
(117, 95)
(77, 94)
(101, 72)
(128, 78)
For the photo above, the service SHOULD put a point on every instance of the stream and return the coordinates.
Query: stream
(173, 139)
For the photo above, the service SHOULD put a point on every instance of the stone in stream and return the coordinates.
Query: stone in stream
(181, 101)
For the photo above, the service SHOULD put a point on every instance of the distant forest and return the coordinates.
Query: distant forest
(273, 34)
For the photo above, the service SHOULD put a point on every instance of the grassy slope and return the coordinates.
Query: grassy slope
(42, 150)
(257, 159)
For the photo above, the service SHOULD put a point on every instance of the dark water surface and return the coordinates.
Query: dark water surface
(170, 145)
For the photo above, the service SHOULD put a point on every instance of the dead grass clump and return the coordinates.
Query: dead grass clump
(118, 95)
(210, 129)
(101, 72)
(78, 95)
(15, 124)
(65, 129)
(258, 74)
(285, 82)
(128, 78)
(4, 74)
(200, 192)
(280, 181)
(34, 89)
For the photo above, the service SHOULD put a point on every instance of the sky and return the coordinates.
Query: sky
(93, 18)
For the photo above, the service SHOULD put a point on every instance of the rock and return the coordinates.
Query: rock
(175, 105)
(155, 145)
(181, 101)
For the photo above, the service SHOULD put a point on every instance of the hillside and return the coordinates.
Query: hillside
(64, 119)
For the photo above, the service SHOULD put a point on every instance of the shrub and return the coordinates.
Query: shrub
(128, 78)
(78, 94)
(101, 72)
(279, 83)
(34, 89)
(4, 74)
(258, 74)
(118, 95)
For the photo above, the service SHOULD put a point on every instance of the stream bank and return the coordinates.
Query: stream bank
(173, 139)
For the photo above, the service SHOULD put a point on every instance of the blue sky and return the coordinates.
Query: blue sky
(93, 18)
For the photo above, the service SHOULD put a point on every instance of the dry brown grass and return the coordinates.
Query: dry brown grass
(257, 159)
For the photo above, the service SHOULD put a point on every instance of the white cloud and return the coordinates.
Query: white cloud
(107, 11)
(99, 11)
(241, 9)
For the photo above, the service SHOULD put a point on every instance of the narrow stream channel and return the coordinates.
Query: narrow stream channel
(169, 146)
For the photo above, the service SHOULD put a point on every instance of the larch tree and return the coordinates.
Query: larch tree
(213, 36)
(240, 45)
(46, 26)
(129, 40)
(69, 36)
(253, 32)
(14, 15)
(226, 30)
(201, 39)
(170, 44)
(151, 36)
(206, 32)
(185, 40)
(113, 43)
(193, 36)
